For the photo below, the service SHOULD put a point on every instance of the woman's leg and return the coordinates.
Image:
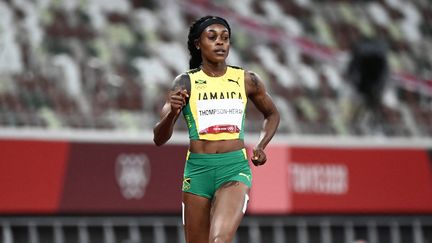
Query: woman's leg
(227, 211)
(196, 218)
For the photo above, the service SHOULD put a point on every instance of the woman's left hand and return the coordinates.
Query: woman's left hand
(259, 157)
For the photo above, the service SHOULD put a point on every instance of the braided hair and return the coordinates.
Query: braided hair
(195, 31)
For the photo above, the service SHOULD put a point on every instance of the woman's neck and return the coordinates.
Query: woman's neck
(214, 69)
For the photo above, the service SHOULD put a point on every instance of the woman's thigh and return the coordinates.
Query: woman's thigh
(196, 218)
(228, 208)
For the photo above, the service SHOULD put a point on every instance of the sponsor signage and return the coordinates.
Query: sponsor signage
(31, 175)
(343, 180)
(61, 177)
(38, 177)
(123, 178)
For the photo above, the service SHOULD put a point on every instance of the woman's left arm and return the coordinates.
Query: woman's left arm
(257, 93)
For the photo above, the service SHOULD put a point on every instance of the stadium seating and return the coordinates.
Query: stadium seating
(93, 65)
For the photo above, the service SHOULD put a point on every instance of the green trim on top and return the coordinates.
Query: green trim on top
(190, 122)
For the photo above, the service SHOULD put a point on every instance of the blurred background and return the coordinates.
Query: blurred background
(82, 83)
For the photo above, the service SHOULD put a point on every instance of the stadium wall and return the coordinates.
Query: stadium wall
(105, 174)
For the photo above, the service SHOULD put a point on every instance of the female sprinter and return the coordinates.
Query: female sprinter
(212, 96)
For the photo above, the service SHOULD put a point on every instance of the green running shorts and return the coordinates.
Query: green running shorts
(205, 173)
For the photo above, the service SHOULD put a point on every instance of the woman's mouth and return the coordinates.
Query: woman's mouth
(220, 52)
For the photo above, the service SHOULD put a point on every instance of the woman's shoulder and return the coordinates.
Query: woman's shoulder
(182, 76)
(251, 75)
(182, 80)
(248, 73)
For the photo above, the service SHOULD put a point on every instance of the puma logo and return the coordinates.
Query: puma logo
(234, 81)
(247, 176)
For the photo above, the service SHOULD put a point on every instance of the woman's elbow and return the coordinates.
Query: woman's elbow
(273, 115)
(158, 142)
(156, 139)
(160, 139)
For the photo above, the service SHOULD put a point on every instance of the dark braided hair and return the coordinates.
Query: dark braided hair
(195, 31)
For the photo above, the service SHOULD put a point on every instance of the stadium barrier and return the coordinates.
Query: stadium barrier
(253, 229)
(50, 177)
(115, 187)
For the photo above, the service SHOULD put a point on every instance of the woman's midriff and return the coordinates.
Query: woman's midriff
(215, 147)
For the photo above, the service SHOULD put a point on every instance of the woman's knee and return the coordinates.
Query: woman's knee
(220, 239)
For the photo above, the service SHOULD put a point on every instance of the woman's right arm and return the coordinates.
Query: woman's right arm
(176, 100)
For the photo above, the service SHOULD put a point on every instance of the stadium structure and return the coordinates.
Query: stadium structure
(82, 83)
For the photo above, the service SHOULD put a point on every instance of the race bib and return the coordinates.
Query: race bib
(218, 116)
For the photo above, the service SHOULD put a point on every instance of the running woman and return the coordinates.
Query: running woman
(212, 96)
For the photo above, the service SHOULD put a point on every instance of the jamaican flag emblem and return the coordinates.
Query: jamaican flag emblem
(200, 81)
(186, 184)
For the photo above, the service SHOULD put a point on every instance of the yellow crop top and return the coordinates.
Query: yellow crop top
(216, 107)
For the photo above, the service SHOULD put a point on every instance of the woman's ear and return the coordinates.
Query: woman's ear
(197, 45)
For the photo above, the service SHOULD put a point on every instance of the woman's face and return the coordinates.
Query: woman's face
(214, 43)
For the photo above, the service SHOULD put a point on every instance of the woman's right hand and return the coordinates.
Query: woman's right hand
(177, 99)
